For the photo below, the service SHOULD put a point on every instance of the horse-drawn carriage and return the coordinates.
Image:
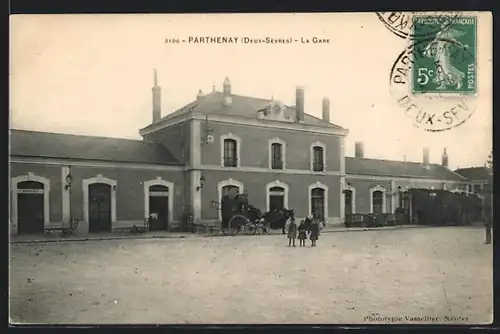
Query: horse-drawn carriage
(238, 215)
(442, 207)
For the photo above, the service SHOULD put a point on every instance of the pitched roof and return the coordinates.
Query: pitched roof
(58, 145)
(378, 167)
(242, 107)
(474, 173)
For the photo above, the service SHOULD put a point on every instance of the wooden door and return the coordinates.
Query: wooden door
(30, 210)
(99, 207)
(158, 204)
(276, 198)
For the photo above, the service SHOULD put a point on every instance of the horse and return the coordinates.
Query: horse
(275, 219)
(253, 214)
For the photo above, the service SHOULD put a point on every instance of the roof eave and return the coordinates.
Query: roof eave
(94, 159)
(401, 176)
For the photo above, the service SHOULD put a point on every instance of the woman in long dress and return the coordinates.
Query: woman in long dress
(292, 232)
(314, 232)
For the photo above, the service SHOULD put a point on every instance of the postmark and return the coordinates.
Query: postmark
(449, 53)
(431, 79)
(401, 23)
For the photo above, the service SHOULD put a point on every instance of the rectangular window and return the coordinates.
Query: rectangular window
(276, 156)
(318, 159)
(230, 153)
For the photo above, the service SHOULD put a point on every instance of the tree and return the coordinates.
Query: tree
(489, 167)
(489, 163)
(488, 191)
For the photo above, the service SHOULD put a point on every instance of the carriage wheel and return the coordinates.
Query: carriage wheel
(251, 228)
(236, 222)
(224, 230)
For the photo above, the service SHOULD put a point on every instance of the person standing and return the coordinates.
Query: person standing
(302, 234)
(314, 232)
(487, 226)
(488, 217)
(292, 232)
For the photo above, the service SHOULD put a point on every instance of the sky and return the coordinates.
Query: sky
(93, 74)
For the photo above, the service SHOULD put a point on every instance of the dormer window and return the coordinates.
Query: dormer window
(318, 157)
(277, 154)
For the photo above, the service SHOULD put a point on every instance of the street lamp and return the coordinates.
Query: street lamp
(202, 183)
(403, 189)
(346, 184)
(69, 182)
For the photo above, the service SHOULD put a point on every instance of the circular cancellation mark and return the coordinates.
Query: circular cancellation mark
(429, 111)
(434, 80)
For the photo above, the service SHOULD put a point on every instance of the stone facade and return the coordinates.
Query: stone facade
(187, 146)
(128, 199)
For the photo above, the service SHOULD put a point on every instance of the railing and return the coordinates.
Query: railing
(72, 229)
(277, 164)
(369, 219)
(318, 167)
(230, 162)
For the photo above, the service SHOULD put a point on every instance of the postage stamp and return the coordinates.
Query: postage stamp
(435, 78)
(448, 62)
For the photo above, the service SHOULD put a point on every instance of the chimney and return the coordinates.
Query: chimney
(444, 159)
(359, 150)
(200, 94)
(426, 157)
(227, 92)
(299, 105)
(156, 99)
(326, 109)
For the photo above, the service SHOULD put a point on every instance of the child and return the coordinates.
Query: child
(302, 233)
(314, 232)
(292, 232)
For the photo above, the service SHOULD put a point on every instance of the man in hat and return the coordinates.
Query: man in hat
(488, 216)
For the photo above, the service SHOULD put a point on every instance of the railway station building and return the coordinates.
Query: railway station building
(279, 155)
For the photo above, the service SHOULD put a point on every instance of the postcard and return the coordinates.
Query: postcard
(326, 168)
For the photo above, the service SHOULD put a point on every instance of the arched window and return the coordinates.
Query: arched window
(230, 191)
(318, 202)
(276, 198)
(348, 202)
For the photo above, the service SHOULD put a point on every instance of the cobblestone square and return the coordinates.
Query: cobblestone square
(420, 275)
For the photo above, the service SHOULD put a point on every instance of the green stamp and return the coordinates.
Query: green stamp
(444, 61)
